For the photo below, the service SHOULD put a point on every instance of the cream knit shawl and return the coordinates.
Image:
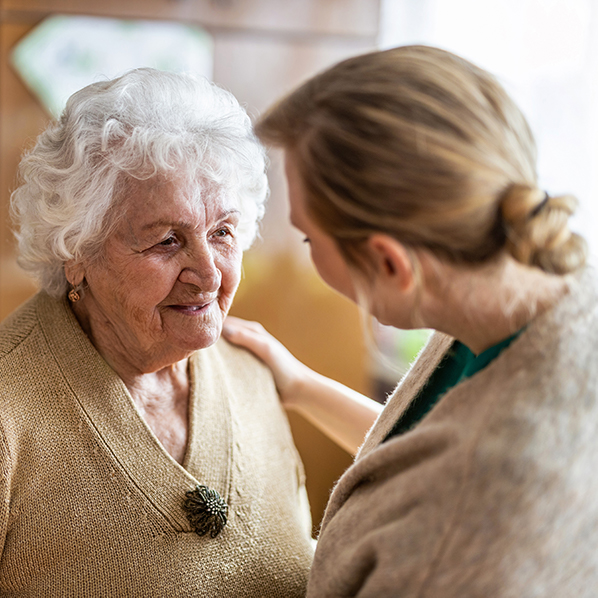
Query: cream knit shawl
(495, 492)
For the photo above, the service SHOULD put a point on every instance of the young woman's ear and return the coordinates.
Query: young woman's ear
(392, 261)
(74, 272)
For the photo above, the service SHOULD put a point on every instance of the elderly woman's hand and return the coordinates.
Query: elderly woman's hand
(341, 413)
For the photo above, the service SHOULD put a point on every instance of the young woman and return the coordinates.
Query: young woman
(412, 175)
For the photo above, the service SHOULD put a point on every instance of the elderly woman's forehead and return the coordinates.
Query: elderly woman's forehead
(180, 187)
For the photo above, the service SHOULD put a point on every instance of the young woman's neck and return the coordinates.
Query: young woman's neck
(483, 305)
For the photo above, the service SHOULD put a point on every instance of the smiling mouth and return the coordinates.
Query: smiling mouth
(191, 309)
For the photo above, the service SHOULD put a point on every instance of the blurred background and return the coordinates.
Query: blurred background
(545, 52)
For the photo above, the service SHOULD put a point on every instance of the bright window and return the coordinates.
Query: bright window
(545, 53)
(65, 53)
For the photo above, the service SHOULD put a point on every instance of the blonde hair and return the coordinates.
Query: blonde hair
(422, 145)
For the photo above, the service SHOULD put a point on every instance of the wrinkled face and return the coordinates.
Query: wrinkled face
(325, 254)
(167, 276)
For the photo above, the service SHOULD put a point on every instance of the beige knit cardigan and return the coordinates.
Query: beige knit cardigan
(92, 505)
(494, 494)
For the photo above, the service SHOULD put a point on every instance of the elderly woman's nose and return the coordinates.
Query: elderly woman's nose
(201, 271)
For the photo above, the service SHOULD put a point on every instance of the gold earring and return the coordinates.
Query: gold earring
(74, 295)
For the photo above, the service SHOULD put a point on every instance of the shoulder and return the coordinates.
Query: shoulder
(239, 360)
(390, 513)
(237, 356)
(41, 319)
(413, 381)
(573, 317)
(241, 368)
(16, 327)
(554, 362)
(28, 353)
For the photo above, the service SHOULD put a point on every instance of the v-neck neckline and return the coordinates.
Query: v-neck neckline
(457, 364)
(108, 405)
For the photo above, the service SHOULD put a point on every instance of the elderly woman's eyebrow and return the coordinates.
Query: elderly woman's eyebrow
(184, 223)
(226, 213)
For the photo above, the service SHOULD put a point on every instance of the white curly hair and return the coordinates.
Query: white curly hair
(143, 124)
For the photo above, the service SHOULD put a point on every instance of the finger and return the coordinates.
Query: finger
(246, 335)
(235, 323)
(257, 344)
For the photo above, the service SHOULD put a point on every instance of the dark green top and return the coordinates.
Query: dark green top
(458, 364)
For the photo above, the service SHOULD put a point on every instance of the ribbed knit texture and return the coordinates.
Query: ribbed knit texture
(92, 505)
(494, 493)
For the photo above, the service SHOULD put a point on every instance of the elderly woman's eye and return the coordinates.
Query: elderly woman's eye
(223, 232)
(169, 241)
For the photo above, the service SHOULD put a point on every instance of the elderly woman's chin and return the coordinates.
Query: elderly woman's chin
(132, 335)
(191, 328)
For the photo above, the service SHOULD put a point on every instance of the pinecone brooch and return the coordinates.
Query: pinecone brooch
(206, 511)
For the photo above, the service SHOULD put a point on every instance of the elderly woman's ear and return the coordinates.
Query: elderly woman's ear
(74, 272)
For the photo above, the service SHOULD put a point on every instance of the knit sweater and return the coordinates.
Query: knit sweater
(494, 493)
(92, 505)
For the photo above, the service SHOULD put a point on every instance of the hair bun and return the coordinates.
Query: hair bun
(537, 229)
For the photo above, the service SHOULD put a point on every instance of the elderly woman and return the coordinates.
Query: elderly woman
(412, 175)
(140, 455)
